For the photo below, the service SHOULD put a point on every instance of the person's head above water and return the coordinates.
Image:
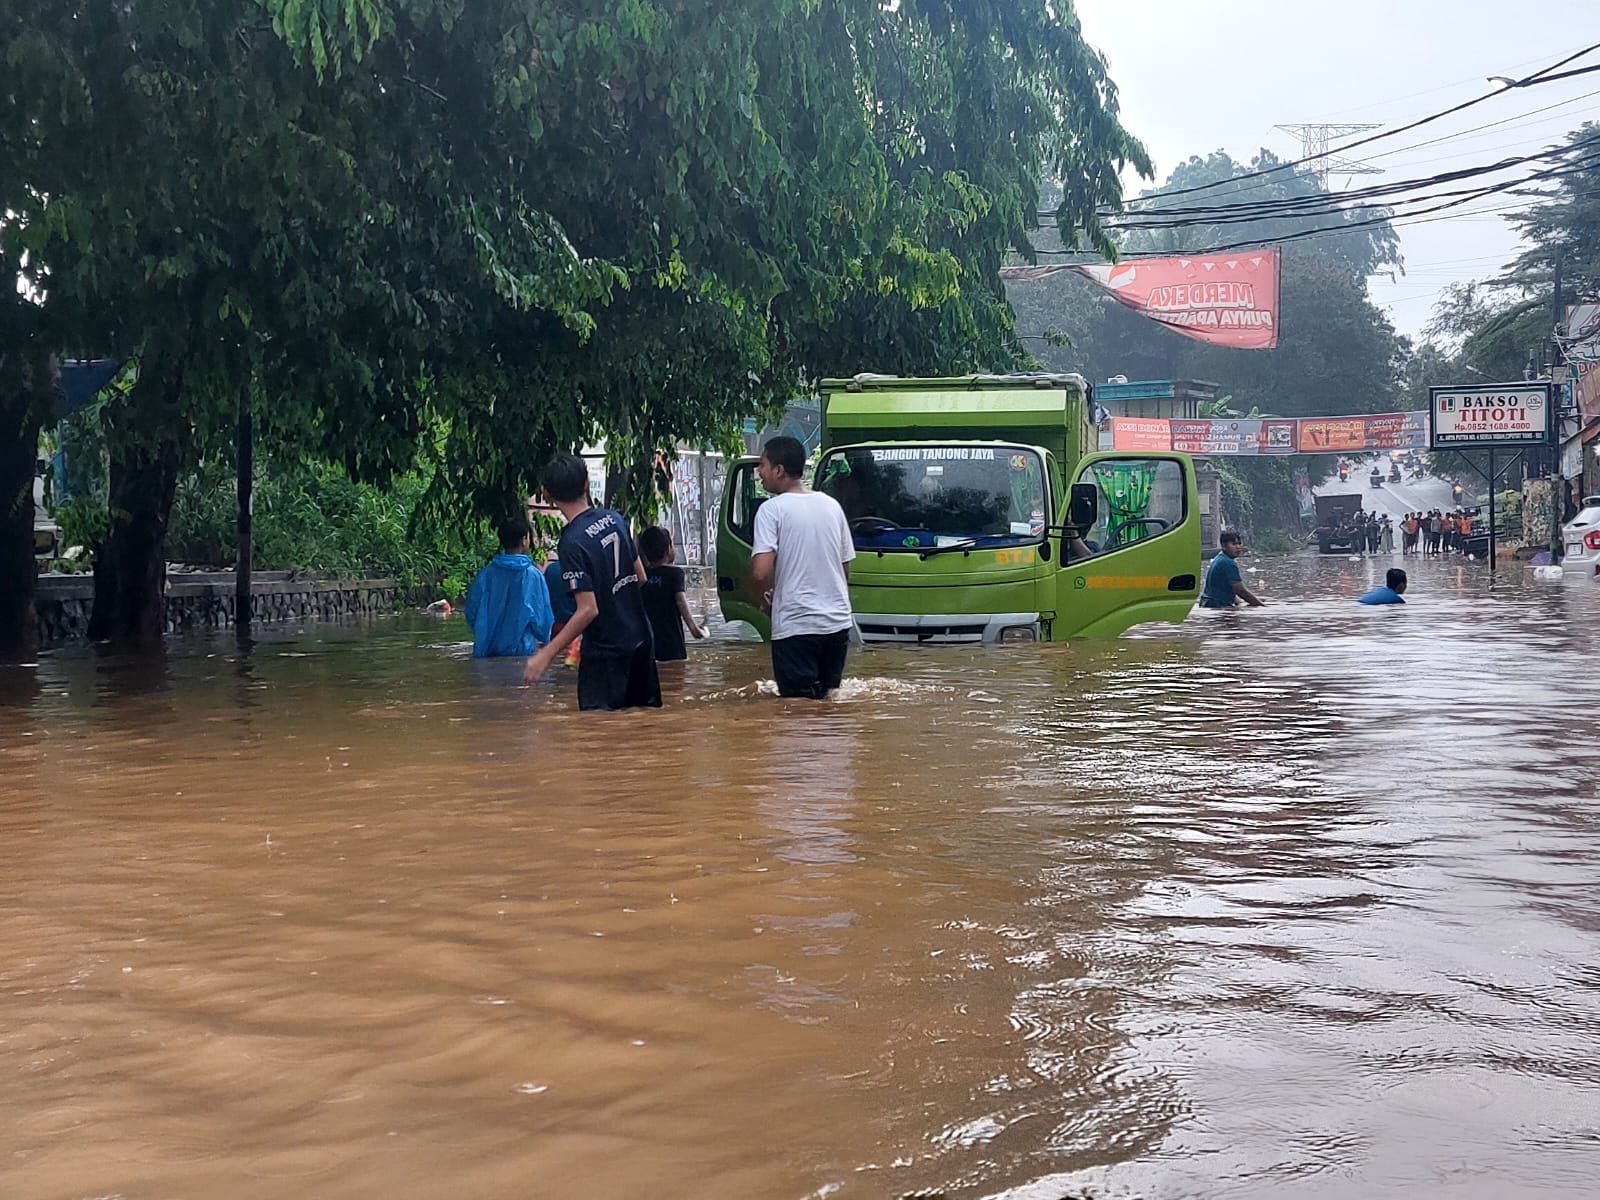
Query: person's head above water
(1395, 580)
(565, 479)
(515, 534)
(1231, 542)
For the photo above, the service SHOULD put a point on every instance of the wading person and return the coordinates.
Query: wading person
(664, 601)
(602, 571)
(802, 559)
(1392, 591)
(1224, 585)
(508, 605)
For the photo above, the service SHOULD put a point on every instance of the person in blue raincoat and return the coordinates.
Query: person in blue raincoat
(508, 606)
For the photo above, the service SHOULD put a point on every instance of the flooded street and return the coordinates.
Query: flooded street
(1291, 902)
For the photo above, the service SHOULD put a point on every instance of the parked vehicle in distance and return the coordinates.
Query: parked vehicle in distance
(1580, 538)
(1336, 523)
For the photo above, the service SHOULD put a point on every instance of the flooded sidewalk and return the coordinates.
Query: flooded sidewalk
(1298, 901)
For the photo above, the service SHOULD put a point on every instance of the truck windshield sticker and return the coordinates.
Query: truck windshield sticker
(934, 453)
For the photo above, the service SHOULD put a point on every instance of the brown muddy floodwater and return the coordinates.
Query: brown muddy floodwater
(1299, 902)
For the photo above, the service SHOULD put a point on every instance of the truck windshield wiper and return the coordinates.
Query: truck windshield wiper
(965, 544)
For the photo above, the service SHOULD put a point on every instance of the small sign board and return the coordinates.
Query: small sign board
(1489, 415)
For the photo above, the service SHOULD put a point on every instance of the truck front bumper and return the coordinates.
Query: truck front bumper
(947, 628)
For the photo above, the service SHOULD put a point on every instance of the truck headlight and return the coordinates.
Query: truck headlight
(1019, 633)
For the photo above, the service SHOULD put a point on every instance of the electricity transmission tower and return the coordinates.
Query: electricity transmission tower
(1314, 145)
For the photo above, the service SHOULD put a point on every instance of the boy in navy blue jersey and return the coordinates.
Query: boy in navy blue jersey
(603, 574)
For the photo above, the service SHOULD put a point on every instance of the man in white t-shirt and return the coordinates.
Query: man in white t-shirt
(802, 559)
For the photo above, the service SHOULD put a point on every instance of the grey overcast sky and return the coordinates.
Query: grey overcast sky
(1195, 77)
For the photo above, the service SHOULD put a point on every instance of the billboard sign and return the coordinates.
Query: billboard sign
(1224, 299)
(1490, 415)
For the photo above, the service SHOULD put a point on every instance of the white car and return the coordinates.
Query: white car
(1581, 537)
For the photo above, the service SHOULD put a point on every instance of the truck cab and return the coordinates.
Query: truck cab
(979, 516)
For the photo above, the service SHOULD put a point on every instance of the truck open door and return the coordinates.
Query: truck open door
(1138, 556)
(742, 496)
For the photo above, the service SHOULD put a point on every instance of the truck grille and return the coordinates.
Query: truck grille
(951, 632)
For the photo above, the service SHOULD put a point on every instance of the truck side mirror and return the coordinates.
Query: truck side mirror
(1083, 506)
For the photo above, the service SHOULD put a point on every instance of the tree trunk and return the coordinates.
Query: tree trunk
(27, 392)
(130, 569)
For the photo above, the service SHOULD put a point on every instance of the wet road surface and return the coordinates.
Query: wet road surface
(1298, 901)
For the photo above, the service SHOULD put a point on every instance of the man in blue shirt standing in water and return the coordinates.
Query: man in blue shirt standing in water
(1224, 585)
(1394, 583)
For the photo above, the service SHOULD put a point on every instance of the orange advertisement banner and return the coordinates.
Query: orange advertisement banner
(1378, 431)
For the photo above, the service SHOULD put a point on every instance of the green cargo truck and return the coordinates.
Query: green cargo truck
(981, 513)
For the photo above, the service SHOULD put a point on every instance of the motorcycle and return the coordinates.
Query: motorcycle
(1376, 478)
(1344, 474)
(1394, 473)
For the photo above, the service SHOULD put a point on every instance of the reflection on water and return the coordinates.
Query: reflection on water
(1293, 901)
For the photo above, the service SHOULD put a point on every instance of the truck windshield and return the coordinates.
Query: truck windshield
(922, 497)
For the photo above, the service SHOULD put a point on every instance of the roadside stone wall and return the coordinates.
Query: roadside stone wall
(206, 601)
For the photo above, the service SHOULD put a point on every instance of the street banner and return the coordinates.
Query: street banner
(1377, 431)
(1225, 299)
(1490, 415)
(1271, 435)
(1141, 433)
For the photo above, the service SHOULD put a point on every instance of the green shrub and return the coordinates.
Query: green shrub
(312, 517)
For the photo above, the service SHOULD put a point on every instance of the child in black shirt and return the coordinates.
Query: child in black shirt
(664, 601)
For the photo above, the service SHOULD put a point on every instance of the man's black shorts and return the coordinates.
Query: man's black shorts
(809, 664)
(612, 681)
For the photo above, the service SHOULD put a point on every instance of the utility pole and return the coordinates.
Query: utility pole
(1314, 145)
(1557, 493)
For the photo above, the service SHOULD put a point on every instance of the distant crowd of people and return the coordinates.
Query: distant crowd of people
(1435, 532)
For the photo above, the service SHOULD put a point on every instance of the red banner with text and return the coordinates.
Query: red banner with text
(1224, 299)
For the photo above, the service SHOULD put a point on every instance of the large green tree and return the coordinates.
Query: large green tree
(523, 223)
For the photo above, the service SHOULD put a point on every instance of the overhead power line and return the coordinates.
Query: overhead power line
(1324, 204)
(1419, 217)
(1547, 75)
(1264, 180)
